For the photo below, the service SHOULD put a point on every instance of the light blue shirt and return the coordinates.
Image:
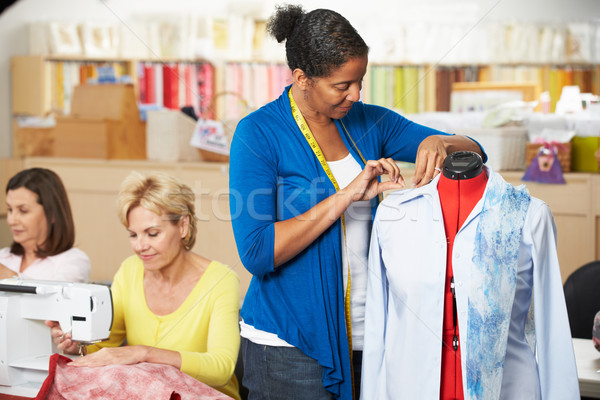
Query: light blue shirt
(405, 299)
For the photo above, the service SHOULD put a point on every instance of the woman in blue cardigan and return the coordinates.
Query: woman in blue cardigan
(304, 183)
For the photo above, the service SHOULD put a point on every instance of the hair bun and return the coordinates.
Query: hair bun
(282, 22)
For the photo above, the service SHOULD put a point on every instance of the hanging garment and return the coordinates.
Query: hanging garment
(505, 249)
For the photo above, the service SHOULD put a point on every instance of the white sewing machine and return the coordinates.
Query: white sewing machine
(85, 310)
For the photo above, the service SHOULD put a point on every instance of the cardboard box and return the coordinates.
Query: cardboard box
(95, 138)
(32, 141)
(104, 123)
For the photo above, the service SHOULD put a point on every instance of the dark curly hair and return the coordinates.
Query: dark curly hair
(317, 42)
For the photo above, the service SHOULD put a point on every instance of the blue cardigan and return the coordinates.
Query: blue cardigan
(273, 176)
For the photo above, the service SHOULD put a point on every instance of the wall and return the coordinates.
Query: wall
(14, 35)
(5, 234)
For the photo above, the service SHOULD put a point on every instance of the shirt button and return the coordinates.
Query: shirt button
(459, 283)
(456, 255)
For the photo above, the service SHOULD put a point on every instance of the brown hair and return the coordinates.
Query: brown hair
(52, 196)
(161, 194)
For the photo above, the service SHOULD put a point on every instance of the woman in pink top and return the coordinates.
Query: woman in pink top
(39, 217)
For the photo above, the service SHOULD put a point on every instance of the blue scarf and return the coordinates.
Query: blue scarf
(493, 282)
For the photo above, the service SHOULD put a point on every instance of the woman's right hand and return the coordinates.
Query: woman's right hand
(366, 185)
(295, 234)
(62, 340)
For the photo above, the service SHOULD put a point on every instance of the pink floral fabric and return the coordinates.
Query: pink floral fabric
(596, 329)
(122, 382)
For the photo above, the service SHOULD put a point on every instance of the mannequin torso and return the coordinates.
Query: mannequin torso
(461, 186)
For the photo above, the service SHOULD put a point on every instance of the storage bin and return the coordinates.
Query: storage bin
(505, 146)
(168, 134)
(584, 153)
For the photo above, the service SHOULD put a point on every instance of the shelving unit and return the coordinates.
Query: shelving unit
(411, 88)
(425, 88)
(34, 90)
(43, 84)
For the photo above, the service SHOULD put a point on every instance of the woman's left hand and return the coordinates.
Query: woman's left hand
(433, 151)
(113, 355)
(430, 158)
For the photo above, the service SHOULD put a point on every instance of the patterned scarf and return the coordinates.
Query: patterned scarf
(493, 282)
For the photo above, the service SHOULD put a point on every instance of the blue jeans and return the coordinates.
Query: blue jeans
(272, 372)
(357, 364)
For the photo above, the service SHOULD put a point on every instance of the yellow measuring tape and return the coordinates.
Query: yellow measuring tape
(380, 195)
(317, 150)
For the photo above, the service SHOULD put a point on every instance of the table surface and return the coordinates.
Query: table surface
(588, 367)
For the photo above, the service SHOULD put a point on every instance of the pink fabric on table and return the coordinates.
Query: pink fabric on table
(596, 328)
(127, 382)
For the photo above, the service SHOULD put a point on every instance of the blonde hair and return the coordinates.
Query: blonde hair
(161, 194)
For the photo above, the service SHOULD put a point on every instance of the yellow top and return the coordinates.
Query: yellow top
(204, 329)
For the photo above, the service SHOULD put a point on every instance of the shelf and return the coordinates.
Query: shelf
(83, 59)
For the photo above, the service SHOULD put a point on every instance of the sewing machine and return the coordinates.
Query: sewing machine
(84, 310)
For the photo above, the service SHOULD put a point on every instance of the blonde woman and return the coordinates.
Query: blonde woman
(171, 305)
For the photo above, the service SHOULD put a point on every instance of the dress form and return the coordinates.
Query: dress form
(460, 187)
